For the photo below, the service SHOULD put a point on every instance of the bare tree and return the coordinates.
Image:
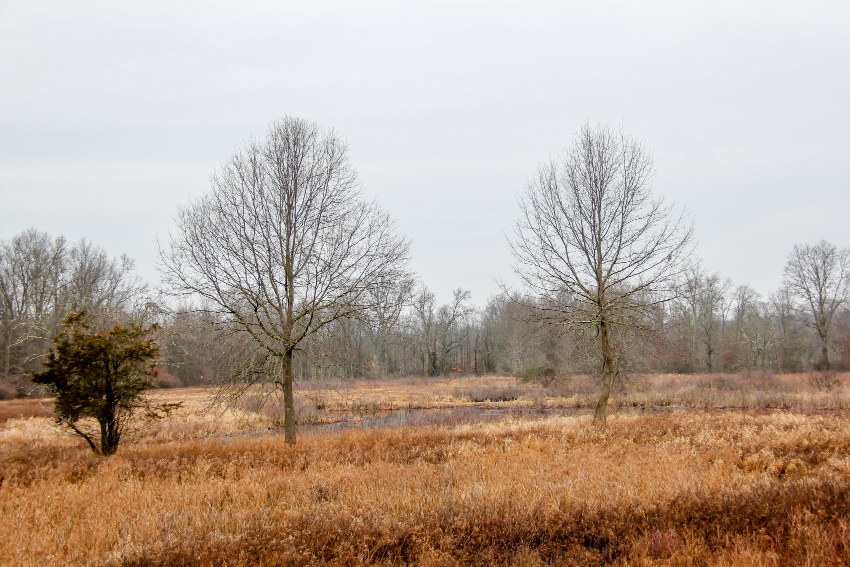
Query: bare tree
(452, 327)
(711, 309)
(819, 276)
(440, 330)
(595, 245)
(789, 327)
(31, 271)
(704, 301)
(758, 333)
(746, 338)
(387, 301)
(424, 308)
(41, 280)
(283, 244)
(96, 282)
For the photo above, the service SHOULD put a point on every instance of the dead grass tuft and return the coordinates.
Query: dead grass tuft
(23, 408)
(687, 487)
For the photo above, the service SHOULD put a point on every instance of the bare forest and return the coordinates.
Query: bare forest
(712, 326)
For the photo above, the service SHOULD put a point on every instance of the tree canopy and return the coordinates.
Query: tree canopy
(283, 245)
(595, 244)
(101, 377)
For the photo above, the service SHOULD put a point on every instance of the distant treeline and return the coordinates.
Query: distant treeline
(712, 325)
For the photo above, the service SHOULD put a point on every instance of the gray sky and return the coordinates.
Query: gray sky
(113, 113)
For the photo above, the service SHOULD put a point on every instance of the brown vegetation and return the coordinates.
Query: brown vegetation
(22, 408)
(742, 487)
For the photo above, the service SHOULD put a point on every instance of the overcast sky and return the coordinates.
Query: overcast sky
(114, 113)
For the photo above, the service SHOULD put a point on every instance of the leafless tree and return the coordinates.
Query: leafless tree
(31, 270)
(789, 330)
(757, 332)
(387, 302)
(42, 278)
(452, 328)
(284, 244)
(819, 276)
(710, 310)
(594, 243)
(440, 330)
(96, 282)
(424, 309)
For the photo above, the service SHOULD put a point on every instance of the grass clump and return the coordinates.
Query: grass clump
(682, 488)
(480, 394)
(699, 470)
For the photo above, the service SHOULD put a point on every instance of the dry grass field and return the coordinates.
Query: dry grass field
(700, 470)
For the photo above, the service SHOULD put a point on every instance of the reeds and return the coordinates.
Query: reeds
(744, 485)
(685, 488)
(20, 408)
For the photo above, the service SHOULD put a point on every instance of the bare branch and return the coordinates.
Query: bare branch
(593, 244)
(283, 244)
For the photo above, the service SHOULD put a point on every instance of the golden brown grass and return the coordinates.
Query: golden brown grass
(12, 409)
(743, 487)
(413, 393)
(332, 401)
(762, 390)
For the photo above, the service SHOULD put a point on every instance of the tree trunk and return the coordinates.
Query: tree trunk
(607, 373)
(8, 353)
(109, 437)
(108, 425)
(424, 361)
(823, 363)
(288, 399)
